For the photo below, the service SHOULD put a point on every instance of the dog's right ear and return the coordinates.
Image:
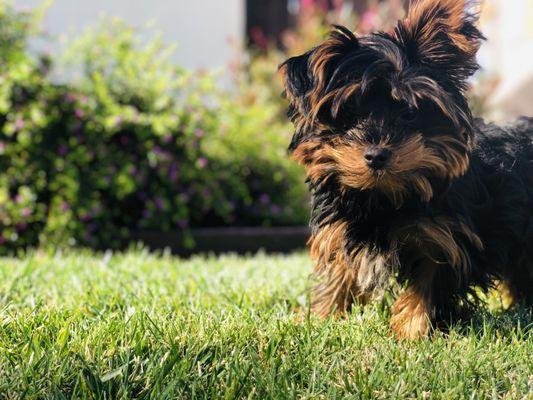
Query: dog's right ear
(306, 79)
(297, 81)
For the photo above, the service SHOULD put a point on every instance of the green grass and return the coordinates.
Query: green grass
(79, 325)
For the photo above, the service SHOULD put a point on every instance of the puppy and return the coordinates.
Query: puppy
(405, 183)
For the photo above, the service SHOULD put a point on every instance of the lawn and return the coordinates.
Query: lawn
(80, 325)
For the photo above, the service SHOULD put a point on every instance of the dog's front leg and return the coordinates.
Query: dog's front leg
(414, 311)
(336, 289)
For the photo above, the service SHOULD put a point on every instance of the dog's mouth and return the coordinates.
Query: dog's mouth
(399, 172)
(407, 171)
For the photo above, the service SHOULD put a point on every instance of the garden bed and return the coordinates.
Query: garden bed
(240, 240)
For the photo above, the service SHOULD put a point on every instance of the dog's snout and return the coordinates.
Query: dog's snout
(377, 157)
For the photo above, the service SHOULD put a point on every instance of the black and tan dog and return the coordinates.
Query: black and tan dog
(405, 182)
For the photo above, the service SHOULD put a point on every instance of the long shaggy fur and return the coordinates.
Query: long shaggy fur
(450, 211)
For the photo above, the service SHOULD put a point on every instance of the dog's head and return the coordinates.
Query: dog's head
(387, 112)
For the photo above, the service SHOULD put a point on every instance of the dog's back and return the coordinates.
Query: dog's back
(503, 160)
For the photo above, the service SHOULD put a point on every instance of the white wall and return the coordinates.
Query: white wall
(508, 52)
(202, 29)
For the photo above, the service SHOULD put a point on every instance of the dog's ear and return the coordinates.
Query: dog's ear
(306, 78)
(442, 35)
(297, 80)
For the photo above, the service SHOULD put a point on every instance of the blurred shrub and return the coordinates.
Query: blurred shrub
(136, 143)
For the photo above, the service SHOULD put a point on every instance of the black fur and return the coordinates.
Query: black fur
(383, 90)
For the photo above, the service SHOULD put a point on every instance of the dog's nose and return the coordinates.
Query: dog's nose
(377, 157)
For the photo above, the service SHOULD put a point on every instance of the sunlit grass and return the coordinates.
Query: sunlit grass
(137, 325)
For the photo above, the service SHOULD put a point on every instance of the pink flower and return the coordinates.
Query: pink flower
(19, 124)
(369, 21)
(70, 98)
(79, 113)
(202, 162)
(199, 133)
(26, 212)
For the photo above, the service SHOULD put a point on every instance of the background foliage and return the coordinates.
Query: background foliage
(136, 143)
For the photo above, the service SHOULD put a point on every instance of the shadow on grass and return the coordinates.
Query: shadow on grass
(515, 322)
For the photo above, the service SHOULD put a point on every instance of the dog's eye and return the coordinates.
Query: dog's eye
(409, 115)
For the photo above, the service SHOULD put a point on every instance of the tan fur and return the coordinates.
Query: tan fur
(412, 312)
(337, 288)
(437, 240)
(443, 156)
(452, 23)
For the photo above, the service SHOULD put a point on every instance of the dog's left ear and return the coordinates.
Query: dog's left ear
(442, 35)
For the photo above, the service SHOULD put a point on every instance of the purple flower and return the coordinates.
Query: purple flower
(185, 197)
(65, 206)
(167, 138)
(147, 213)
(207, 192)
(264, 198)
(2, 239)
(86, 217)
(173, 174)
(275, 209)
(21, 226)
(182, 223)
(63, 150)
(202, 162)
(134, 171)
(95, 210)
(79, 113)
(26, 212)
(159, 203)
